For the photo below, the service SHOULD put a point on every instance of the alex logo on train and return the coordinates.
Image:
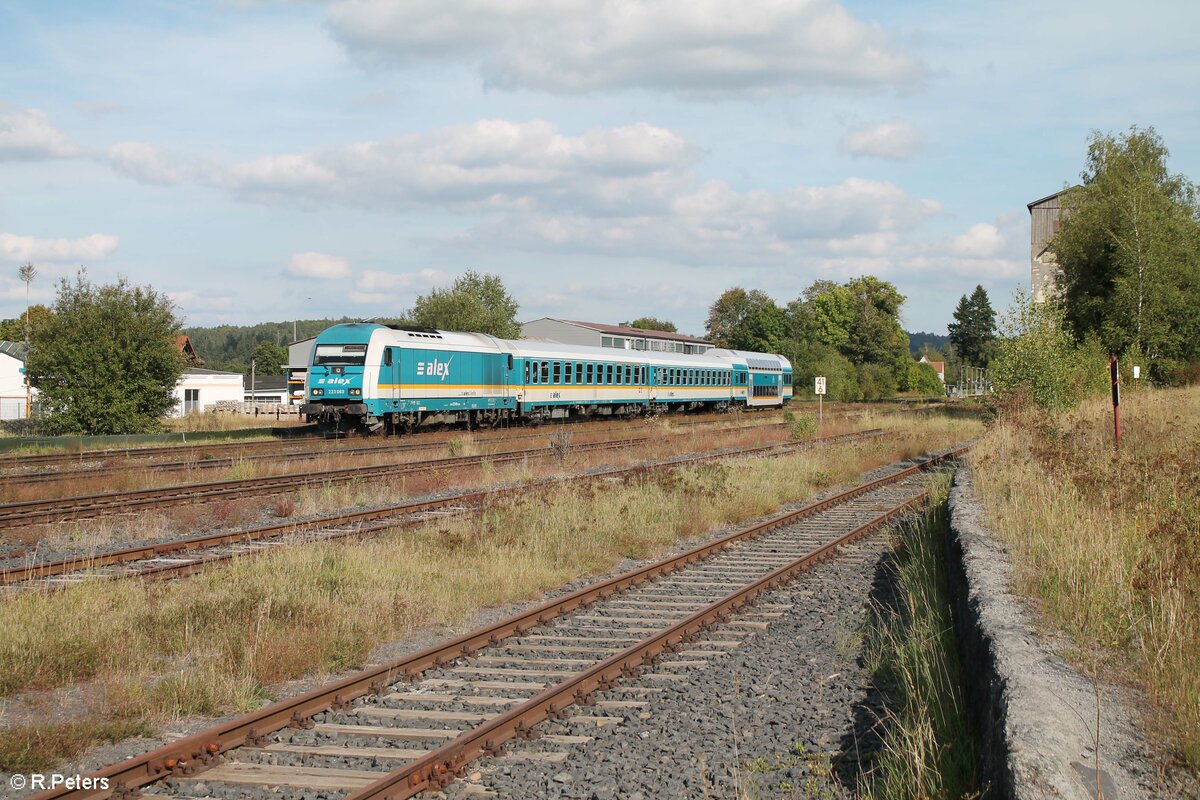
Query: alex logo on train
(336, 380)
(434, 369)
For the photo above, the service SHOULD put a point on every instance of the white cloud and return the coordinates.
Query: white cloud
(488, 164)
(143, 162)
(376, 287)
(895, 141)
(318, 265)
(981, 240)
(190, 300)
(27, 248)
(690, 47)
(28, 136)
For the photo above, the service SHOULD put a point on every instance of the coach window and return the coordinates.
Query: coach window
(569, 373)
(557, 372)
(545, 371)
(527, 372)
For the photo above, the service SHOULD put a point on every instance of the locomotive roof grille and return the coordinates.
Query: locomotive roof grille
(420, 333)
(762, 363)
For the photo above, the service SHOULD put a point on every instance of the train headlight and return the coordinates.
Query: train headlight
(317, 392)
(355, 392)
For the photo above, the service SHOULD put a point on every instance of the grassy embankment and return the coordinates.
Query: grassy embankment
(218, 641)
(928, 745)
(1108, 541)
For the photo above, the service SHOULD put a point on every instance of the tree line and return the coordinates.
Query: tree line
(1128, 251)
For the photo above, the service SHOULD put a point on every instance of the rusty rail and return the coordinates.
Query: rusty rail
(293, 453)
(198, 751)
(11, 576)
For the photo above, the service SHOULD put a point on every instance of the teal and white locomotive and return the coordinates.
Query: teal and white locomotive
(370, 377)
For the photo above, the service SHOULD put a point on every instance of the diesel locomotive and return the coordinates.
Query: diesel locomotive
(368, 377)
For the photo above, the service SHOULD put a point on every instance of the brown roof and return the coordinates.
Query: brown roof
(621, 330)
(188, 350)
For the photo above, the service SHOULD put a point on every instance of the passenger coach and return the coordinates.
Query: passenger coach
(366, 376)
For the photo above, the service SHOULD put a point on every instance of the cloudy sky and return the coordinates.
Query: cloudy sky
(608, 158)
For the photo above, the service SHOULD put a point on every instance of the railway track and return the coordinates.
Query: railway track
(191, 555)
(225, 451)
(272, 456)
(416, 723)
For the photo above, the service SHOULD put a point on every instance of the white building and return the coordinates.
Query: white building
(597, 334)
(12, 380)
(199, 389)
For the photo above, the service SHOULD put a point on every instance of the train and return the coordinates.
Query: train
(368, 377)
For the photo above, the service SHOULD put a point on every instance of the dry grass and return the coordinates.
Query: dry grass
(928, 745)
(211, 643)
(218, 421)
(1109, 542)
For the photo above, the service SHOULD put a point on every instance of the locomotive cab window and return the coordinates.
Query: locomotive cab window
(387, 356)
(346, 355)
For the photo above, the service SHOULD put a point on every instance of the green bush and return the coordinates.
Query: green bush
(1038, 358)
(923, 379)
(876, 381)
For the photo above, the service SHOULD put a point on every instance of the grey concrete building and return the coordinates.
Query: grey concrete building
(296, 370)
(1045, 220)
(596, 334)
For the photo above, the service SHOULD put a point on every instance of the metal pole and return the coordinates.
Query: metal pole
(253, 396)
(1115, 375)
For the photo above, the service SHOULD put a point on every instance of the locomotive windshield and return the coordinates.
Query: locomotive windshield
(347, 355)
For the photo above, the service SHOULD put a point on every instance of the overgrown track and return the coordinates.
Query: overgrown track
(224, 452)
(274, 456)
(500, 681)
(188, 556)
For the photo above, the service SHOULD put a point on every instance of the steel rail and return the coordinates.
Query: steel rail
(194, 753)
(442, 765)
(12, 576)
(66, 508)
(289, 455)
(424, 438)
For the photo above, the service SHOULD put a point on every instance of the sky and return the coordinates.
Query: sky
(609, 159)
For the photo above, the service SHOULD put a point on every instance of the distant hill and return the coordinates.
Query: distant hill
(228, 347)
(918, 339)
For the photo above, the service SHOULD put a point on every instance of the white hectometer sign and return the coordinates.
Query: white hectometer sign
(820, 384)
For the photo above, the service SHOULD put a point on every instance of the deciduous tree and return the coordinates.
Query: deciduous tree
(1129, 252)
(13, 330)
(652, 324)
(477, 303)
(269, 358)
(105, 361)
(744, 320)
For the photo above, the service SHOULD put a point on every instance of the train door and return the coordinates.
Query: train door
(392, 372)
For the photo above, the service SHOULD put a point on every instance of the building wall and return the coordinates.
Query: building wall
(12, 388)
(1045, 218)
(567, 333)
(560, 332)
(299, 357)
(213, 387)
